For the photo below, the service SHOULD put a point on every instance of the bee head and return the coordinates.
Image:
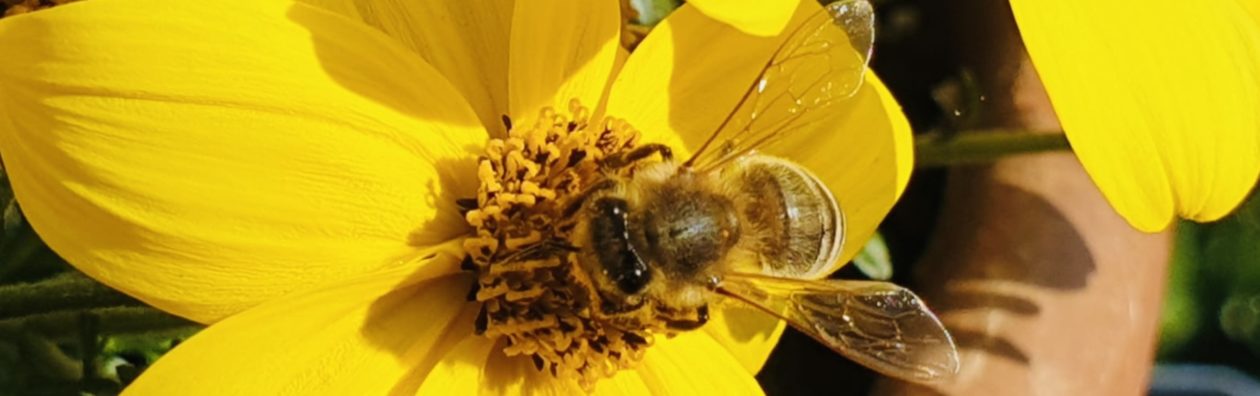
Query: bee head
(619, 260)
(608, 252)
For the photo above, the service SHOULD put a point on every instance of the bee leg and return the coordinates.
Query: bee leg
(625, 317)
(702, 317)
(626, 158)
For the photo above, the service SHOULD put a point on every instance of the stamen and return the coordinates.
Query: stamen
(532, 289)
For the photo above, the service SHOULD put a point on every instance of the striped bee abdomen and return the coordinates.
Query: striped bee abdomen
(792, 222)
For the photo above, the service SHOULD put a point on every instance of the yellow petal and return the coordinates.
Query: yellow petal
(865, 160)
(376, 335)
(747, 334)
(207, 156)
(477, 365)
(625, 382)
(459, 371)
(692, 363)
(685, 77)
(560, 51)
(671, 366)
(465, 40)
(1161, 109)
(756, 17)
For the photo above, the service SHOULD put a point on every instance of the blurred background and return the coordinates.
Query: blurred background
(951, 66)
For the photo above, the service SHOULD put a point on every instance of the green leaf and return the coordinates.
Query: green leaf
(873, 260)
(124, 356)
(652, 12)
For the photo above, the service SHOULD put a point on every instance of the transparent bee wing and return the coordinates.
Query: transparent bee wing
(820, 64)
(878, 324)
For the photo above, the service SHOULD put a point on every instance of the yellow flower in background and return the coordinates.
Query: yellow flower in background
(1160, 99)
(288, 173)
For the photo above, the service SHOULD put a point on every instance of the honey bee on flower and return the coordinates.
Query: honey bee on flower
(589, 244)
(289, 172)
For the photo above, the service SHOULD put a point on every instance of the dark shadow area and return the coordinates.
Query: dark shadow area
(407, 308)
(457, 180)
(408, 92)
(443, 253)
(964, 300)
(997, 346)
(801, 366)
(900, 388)
(373, 66)
(1062, 260)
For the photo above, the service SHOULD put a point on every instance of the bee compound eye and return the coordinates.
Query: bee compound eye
(634, 278)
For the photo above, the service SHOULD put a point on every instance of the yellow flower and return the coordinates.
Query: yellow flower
(1160, 99)
(288, 173)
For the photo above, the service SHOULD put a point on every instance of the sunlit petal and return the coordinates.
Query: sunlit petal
(747, 334)
(207, 156)
(378, 335)
(1162, 108)
(476, 366)
(561, 51)
(692, 363)
(686, 364)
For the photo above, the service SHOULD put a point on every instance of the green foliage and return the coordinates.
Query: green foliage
(60, 331)
(23, 256)
(652, 12)
(1183, 311)
(1213, 300)
(874, 260)
(1231, 254)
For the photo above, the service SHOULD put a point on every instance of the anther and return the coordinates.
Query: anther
(533, 292)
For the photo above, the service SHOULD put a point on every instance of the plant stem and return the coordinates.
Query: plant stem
(971, 147)
(67, 291)
(109, 320)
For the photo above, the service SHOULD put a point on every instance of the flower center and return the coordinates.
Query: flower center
(534, 292)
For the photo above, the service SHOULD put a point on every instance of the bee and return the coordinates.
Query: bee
(731, 224)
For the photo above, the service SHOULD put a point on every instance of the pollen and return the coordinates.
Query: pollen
(532, 291)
